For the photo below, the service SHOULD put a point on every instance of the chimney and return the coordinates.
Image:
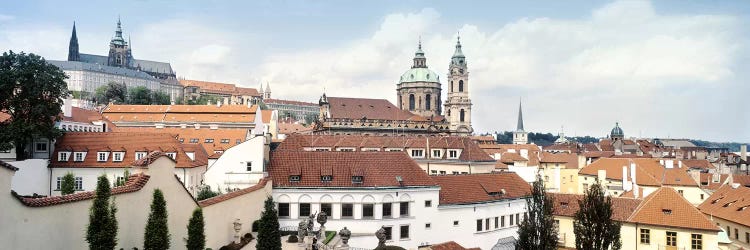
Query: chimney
(208, 102)
(218, 103)
(668, 164)
(679, 164)
(68, 107)
(661, 162)
(632, 174)
(735, 185)
(625, 184)
(581, 161)
(525, 153)
(601, 175)
(743, 152)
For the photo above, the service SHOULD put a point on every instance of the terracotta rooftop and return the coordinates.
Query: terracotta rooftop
(567, 205)
(511, 157)
(450, 245)
(480, 188)
(470, 151)
(707, 180)
(649, 172)
(701, 164)
(218, 139)
(742, 179)
(373, 109)
(82, 115)
(180, 113)
(134, 183)
(569, 159)
(220, 88)
(127, 142)
(289, 102)
(145, 161)
(290, 128)
(377, 169)
(571, 147)
(665, 207)
(231, 195)
(728, 203)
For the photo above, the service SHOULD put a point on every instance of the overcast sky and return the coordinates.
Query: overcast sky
(663, 69)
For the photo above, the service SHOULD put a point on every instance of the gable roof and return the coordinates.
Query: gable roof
(729, 203)
(649, 172)
(480, 188)
(134, 183)
(378, 169)
(567, 205)
(185, 135)
(180, 113)
(231, 195)
(665, 207)
(220, 88)
(470, 150)
(127, 142)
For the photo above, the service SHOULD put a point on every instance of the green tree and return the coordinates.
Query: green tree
(196, 237)
(101, 233)
(203, 100)
(158, 97)
(68, 184)
(112, 92)
(31, 93)
(139, 95)
(593, 225)
(157, 229)
(205, 192)
(269, 236)
(538, 230)
(121, 182)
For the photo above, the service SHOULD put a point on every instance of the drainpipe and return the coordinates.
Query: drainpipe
(638, 241)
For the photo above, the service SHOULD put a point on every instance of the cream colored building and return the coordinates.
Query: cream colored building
(662, 220)
(728, 208)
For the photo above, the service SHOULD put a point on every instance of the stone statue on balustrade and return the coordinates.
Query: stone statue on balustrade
(322, 219)
(302, 230)
(311, 224)
(380, 234)
(345, 234)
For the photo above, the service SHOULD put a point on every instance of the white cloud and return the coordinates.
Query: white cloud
(4, 18)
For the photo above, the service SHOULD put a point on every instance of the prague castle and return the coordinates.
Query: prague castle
(419, 109)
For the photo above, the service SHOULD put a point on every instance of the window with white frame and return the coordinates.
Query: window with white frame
(345, 149)
(41, 146)
(59, 183)
(436, 153)
(79, 183)
(78, 156)
(117, 156)
(139, 155)
(452, 154)
(394, 150)
(417, 153)
(102, 156)
(63, 156)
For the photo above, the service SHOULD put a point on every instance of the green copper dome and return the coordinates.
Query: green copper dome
(419, 75)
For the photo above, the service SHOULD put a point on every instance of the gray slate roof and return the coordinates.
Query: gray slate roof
(83, 66)
(146, 65)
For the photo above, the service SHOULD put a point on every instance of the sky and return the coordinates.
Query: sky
(663, 69)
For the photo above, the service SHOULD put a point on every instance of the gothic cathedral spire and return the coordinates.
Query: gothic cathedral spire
(520, 136)
(73, 54)
(458, 105)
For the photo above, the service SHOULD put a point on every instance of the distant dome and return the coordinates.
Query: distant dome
(616, 131)
(419, 75)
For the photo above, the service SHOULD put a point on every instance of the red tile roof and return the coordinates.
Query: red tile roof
(728, 203)
(742, 179)
(8, 166)
(450, 245)
(470, 151)
(82, 115)
(378, 169)
(373, 109)
(128, 142)
(220, 88)
(567, 205)
(279, 101)
(145, 161)
(185, 135)
(665, 207)
(135, 182)
(569, 159)
(289, 128)
(649, 172)
(706, 180)
(480, 188)
(224, 197)
(180, 113)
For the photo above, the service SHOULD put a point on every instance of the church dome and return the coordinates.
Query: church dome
(616, 131)
(420, 75)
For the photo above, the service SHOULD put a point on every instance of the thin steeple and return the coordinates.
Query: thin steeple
(519, 127)
(118, 40)
(420, 61)
(73, 54)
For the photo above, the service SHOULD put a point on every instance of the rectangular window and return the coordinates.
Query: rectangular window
(78, 156)
(428, 203)
(747, 237)
(326, 207)
(497, 222)
(517, 219)
(326, 178)
(387, 210)
(736, 234)
(681, 193)
(249, 166)
(172, 155)
(479, 225)
(283, 209)
(404, 232)
(79, 183)
(182, 140)
(347, 210)
(357, 179)
(404, 209)
(645, 236)
(139, 155)
(304, 209)
(696, 241)
(294, 178)
(388, 233)
(59, 181)
(436, 153)
(41, 146)
(452, 154)
(225, 141)
(455, 223)
(442, 172)
(417, 153)
(346, 150)
(63, 156)
(671, 238)
(194, 140)
(208, 140)
(117, 157)
(502, 221)
(101, 156)
(238, 141)
(487, 224)
(510, 220)
(368, 210)
(427, 226)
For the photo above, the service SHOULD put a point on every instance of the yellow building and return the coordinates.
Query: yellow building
(560, 171)
(728, 208)
(662, 220)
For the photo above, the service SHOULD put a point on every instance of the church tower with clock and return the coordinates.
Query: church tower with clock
(458, 103)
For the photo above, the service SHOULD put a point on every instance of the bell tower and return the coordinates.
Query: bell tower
(119, 50)
(458, 105)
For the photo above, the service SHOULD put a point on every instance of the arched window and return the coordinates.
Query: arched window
(461, 86)
(462, 115)
(451, 86)
(411, 102)
(427, 102)
(449, 113)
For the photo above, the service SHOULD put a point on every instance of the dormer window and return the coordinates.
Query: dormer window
(209, 140)
(417, 153)
(102, 156)
(666, 211)
(294, 178)
(78, 156)
(194, 140)
(453, 154)
(139, 155)
(357, 179)
(436, 153)
(172, 155)
(63, 156)
(225, 141)
(326, 178)
(117, 156)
